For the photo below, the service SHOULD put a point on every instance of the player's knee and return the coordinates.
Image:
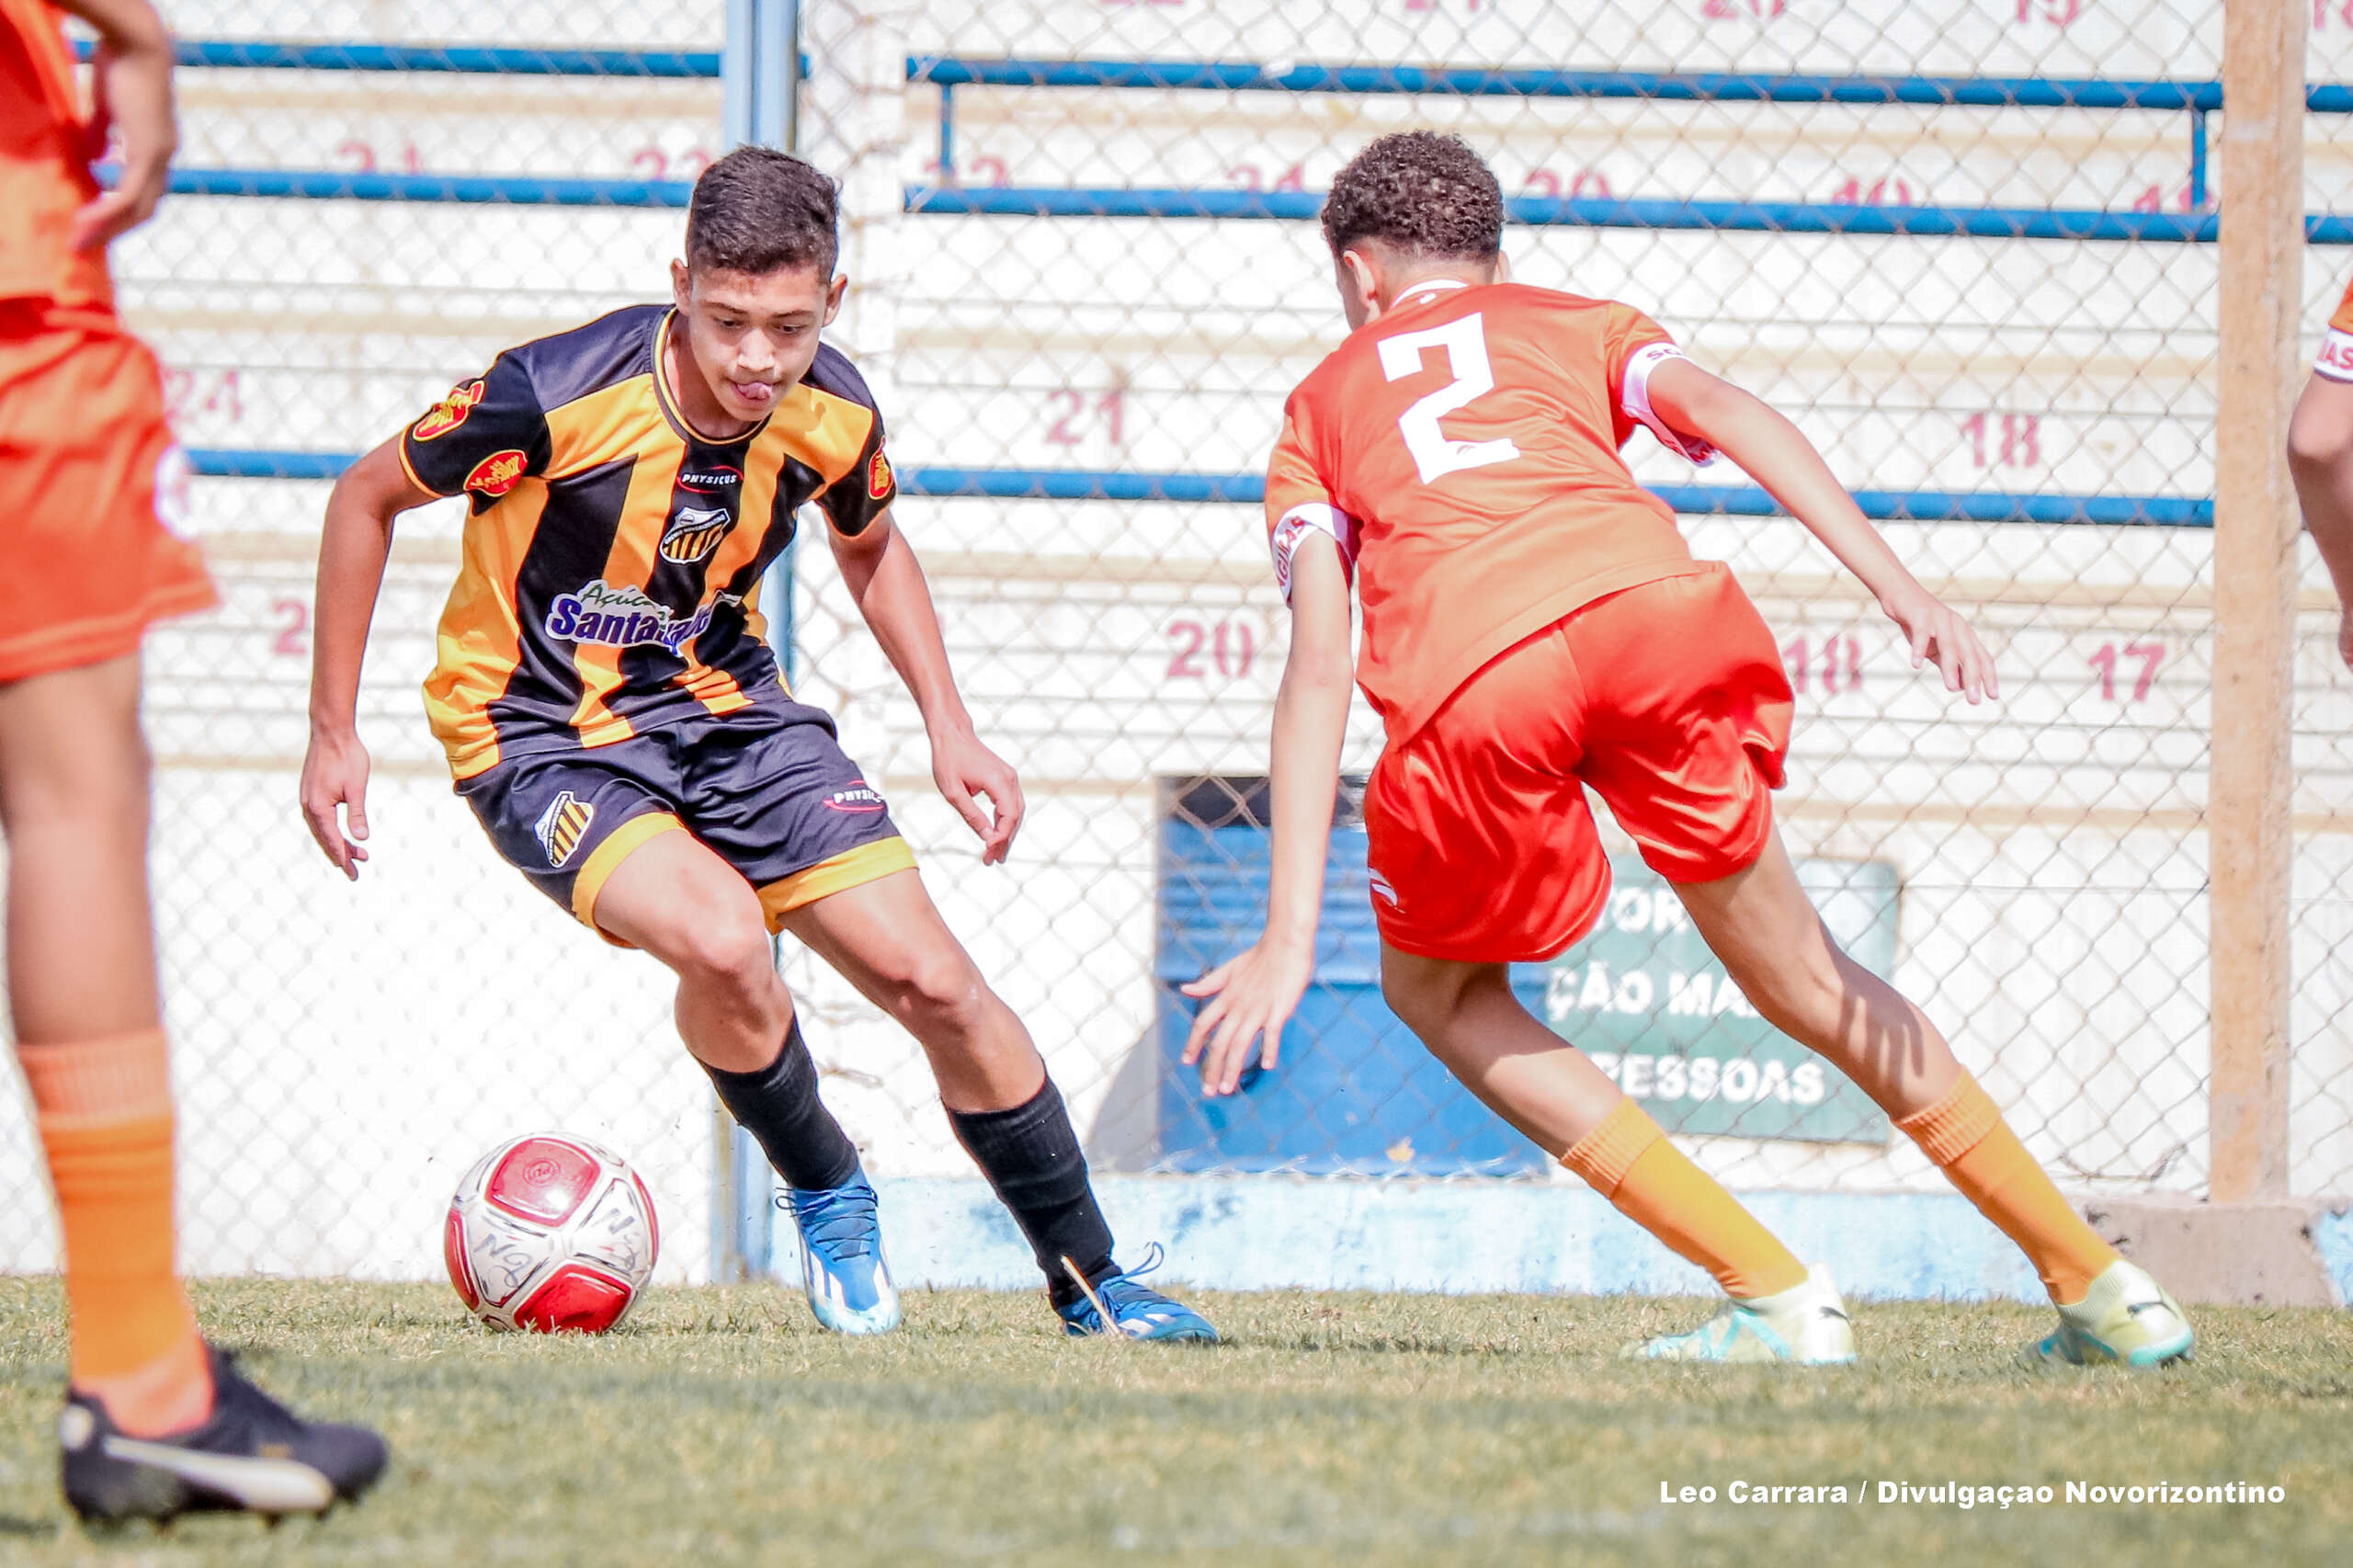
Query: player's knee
(104, 789)
(725, 948)
(1803, 996)
(2318, 440)
(939, 995)
(1424, 999)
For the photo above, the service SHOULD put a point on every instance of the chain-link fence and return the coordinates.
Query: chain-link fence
(1967, 247)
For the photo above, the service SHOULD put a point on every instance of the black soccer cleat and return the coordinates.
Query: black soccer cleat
(253, 1454)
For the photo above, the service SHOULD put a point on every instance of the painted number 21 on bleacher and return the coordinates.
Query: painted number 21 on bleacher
(1464, 344)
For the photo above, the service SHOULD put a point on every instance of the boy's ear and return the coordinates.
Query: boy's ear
(681, 285)
(1363, 282)
(833, 294)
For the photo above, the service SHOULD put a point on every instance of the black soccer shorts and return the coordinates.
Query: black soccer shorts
(766, 787)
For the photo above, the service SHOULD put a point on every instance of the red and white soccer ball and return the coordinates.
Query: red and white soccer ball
(551, 1232)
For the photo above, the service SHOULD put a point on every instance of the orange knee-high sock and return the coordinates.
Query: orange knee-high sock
(1628, 1159)
(105, 1111)
(1965, 1135)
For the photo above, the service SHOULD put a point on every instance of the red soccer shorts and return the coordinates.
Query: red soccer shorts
(88, 472)
(1668, 699)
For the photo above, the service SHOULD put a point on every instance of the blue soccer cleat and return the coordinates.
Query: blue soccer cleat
(1136, 1311)
(842, 1265)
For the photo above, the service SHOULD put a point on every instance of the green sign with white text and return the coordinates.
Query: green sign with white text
(1645, 998)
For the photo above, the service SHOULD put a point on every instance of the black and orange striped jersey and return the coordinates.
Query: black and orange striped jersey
(610, 570)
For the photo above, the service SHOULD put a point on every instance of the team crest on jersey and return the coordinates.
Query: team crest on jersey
(562, 826)
(622, 618)
(450, 413)
(859, 799)
(878, 477)
(497, 474)
(695, 533)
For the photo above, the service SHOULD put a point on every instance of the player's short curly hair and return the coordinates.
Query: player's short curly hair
(1420, 192)
(759, 210)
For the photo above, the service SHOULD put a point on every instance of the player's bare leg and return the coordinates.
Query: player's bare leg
(82, 990)
(886, 937)
(1760, 923)
(154, 1422)
(2319, 457)
(678, 900)
(1467, 1015)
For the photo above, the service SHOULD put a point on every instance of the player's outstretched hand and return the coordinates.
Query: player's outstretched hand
(335, 773)
(1939, 636)
(965, 771)
(1249, 996)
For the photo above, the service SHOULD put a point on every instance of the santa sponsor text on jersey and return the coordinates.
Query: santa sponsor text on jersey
(624, 617)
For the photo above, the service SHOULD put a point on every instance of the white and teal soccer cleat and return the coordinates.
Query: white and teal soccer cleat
(1804, 1325)
(2125, 1319)
(842, 1265)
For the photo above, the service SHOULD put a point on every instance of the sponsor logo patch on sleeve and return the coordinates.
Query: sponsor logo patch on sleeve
(878, 477)
(450, 413)
(497, 474)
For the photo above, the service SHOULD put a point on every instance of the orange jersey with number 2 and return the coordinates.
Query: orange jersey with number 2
(1463, 450)
(1534, 624)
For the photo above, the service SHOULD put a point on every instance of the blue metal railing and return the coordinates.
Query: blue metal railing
(1734, 217)
(2196, 99)
(238, 54)
(336, 185)
(1249, 489)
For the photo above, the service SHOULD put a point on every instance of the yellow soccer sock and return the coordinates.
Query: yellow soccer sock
(1628, 1159)
(105, 1114)
(1965, 1135)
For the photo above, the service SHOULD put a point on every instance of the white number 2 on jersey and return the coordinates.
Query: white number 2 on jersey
(1464, 343)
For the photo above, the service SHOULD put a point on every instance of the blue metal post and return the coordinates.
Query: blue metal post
(947, 133)
(761, 79)
(2198, 160)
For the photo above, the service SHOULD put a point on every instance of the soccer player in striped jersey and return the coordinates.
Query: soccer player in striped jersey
(614, 715)
(1535, 625)
(155, 1421)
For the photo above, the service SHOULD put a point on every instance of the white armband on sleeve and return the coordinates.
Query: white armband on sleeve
(1636, 403)
(2336, 360)
(1314, 516)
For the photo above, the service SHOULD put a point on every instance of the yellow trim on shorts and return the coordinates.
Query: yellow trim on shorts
(607, 857)
(835, 873)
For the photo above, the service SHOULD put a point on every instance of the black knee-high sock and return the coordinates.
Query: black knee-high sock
(778, 1106)
(1031, 1157)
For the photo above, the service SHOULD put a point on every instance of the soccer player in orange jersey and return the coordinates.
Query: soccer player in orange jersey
(2320, 457)
(91, 490)
(1535, 625)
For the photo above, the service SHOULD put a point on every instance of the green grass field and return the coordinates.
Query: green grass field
(722, 1426)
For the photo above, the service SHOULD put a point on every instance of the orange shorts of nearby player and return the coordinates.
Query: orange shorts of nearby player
(1668, 699)
(89, 477)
